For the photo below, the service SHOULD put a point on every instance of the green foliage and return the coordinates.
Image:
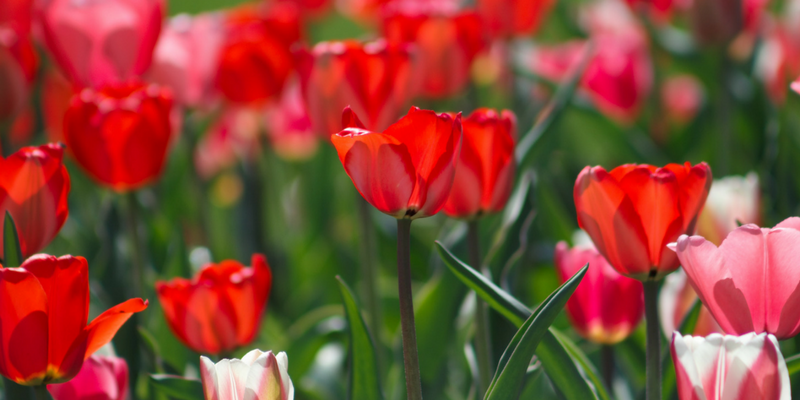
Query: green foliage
(11, 248)
(178, 387)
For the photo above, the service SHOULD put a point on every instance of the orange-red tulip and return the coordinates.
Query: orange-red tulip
(633, 212)
(448, 39)
(375, 79)
(485, 169)
(34, 185)
(514, 17)
(407, 170)
(220, 309)
(120, 134)
(44, 307)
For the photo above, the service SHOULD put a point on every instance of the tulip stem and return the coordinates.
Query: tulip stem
(482, 335)
(653, 385)
(135, 246)
(410, 357)
(369, 270)
(40, 392)
(607, 360)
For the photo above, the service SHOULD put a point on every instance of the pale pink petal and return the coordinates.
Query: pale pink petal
(208, 376)
(264, 379)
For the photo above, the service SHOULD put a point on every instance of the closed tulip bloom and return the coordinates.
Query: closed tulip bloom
(485, 168)
(606, 307)
(34, 185)
(257, 376)
(220, 309)
(255, 59)
(506, 18)
(103, 41)
(101, 378)
(407, 170)
(44, 306)
(447, 40)
(676, 300)
(375, 79)
(720, 367)
(633, 212)
(120, 134)
(732, 201)
(750, 283)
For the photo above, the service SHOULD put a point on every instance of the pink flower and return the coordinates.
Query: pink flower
(682, 96)
(751, 282)
(732, 201)
(257, 376)
(676, 300)
(100, 378)
(101, 41)
(720, 367)
(606, 307)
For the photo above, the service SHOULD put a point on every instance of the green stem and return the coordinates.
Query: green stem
(137, 263)
(40, 392)
(13, 390)
(482, 335)
(607, 360)
(410, 357)
(369, 271)
(653, 386)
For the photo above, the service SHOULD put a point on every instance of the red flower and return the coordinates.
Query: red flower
(513, 17)
(255, 59)
(34, 185)
(634, 211)
(18, 59)
(44, 306)
(485, 170)
(220, 309)
(606, 307)
(120, 134)
(448, 40)
(375, 79)
(407, 170)
(101, 42)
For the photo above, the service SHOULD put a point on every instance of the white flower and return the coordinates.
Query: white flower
(257, 376)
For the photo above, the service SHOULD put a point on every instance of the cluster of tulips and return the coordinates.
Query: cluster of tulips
(119, 85)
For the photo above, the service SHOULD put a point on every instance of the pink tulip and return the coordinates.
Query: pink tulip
(186, 57)
(681, 97)
(720, 367)
(676, 300)
(606, 307)
(751, 282)
(257, 376)
(101, 41)
(100, 378)
(796, 85)
(288, 126)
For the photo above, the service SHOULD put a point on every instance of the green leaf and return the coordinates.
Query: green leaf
(510, 376)
(689, 321)
(511, 214)
(178, 387)
(580, 358)
(12, 252)
(364, 380)
(793, 364)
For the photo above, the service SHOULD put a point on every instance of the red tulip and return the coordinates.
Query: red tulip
(485, 169)
(101, 42)
(34, 185)
(220, 309)
(120, 134)
(606, 307)
(375, 79)
(634, 211)
(13, 90)
(255, 59)
(676, 300)
(407, 170)
(56, 96)
(514, 17)
(448, 40)
(44, 306)
(101, 378)
(18, 60)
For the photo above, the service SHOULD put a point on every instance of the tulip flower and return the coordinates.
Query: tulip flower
(255, 59)
(100, 378)
(257, 376)
(34, 185)
(57, 94)
(233, 136)
(120, 134)
(288, 126)
(186, 57)
(447, 39)
(44, 307)
(796, 85)
(676, 300)
(18, 60)
(505, 18)
(220, 309)
(407, 170)
(778, 57)
(721, 367)
(375, 79)
(634, 211)
(485, 168)
(682, 97)
(750, 283)
(732, 201)
(606, 307)
(101, 42)
(13, 89)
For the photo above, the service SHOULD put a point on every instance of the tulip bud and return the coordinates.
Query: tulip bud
(257, 376)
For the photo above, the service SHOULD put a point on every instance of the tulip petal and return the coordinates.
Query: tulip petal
(231, 379)
(23, 326)
(782, 283)
(103, 328)
(694, 183)
(208, 376)
(264, 379)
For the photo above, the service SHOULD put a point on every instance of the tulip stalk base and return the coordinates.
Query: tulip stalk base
(137, 262)
(408, 327)
(482, 335)
(653, 385)
(607, 362)
(40, 393)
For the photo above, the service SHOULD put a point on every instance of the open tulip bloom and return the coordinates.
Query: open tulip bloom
(257, 376)
(718, 367)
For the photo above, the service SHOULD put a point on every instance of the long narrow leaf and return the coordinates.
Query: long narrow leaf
(364, 379)
(793, 364)
(579, 357)
(12, 252)
(178, 387)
